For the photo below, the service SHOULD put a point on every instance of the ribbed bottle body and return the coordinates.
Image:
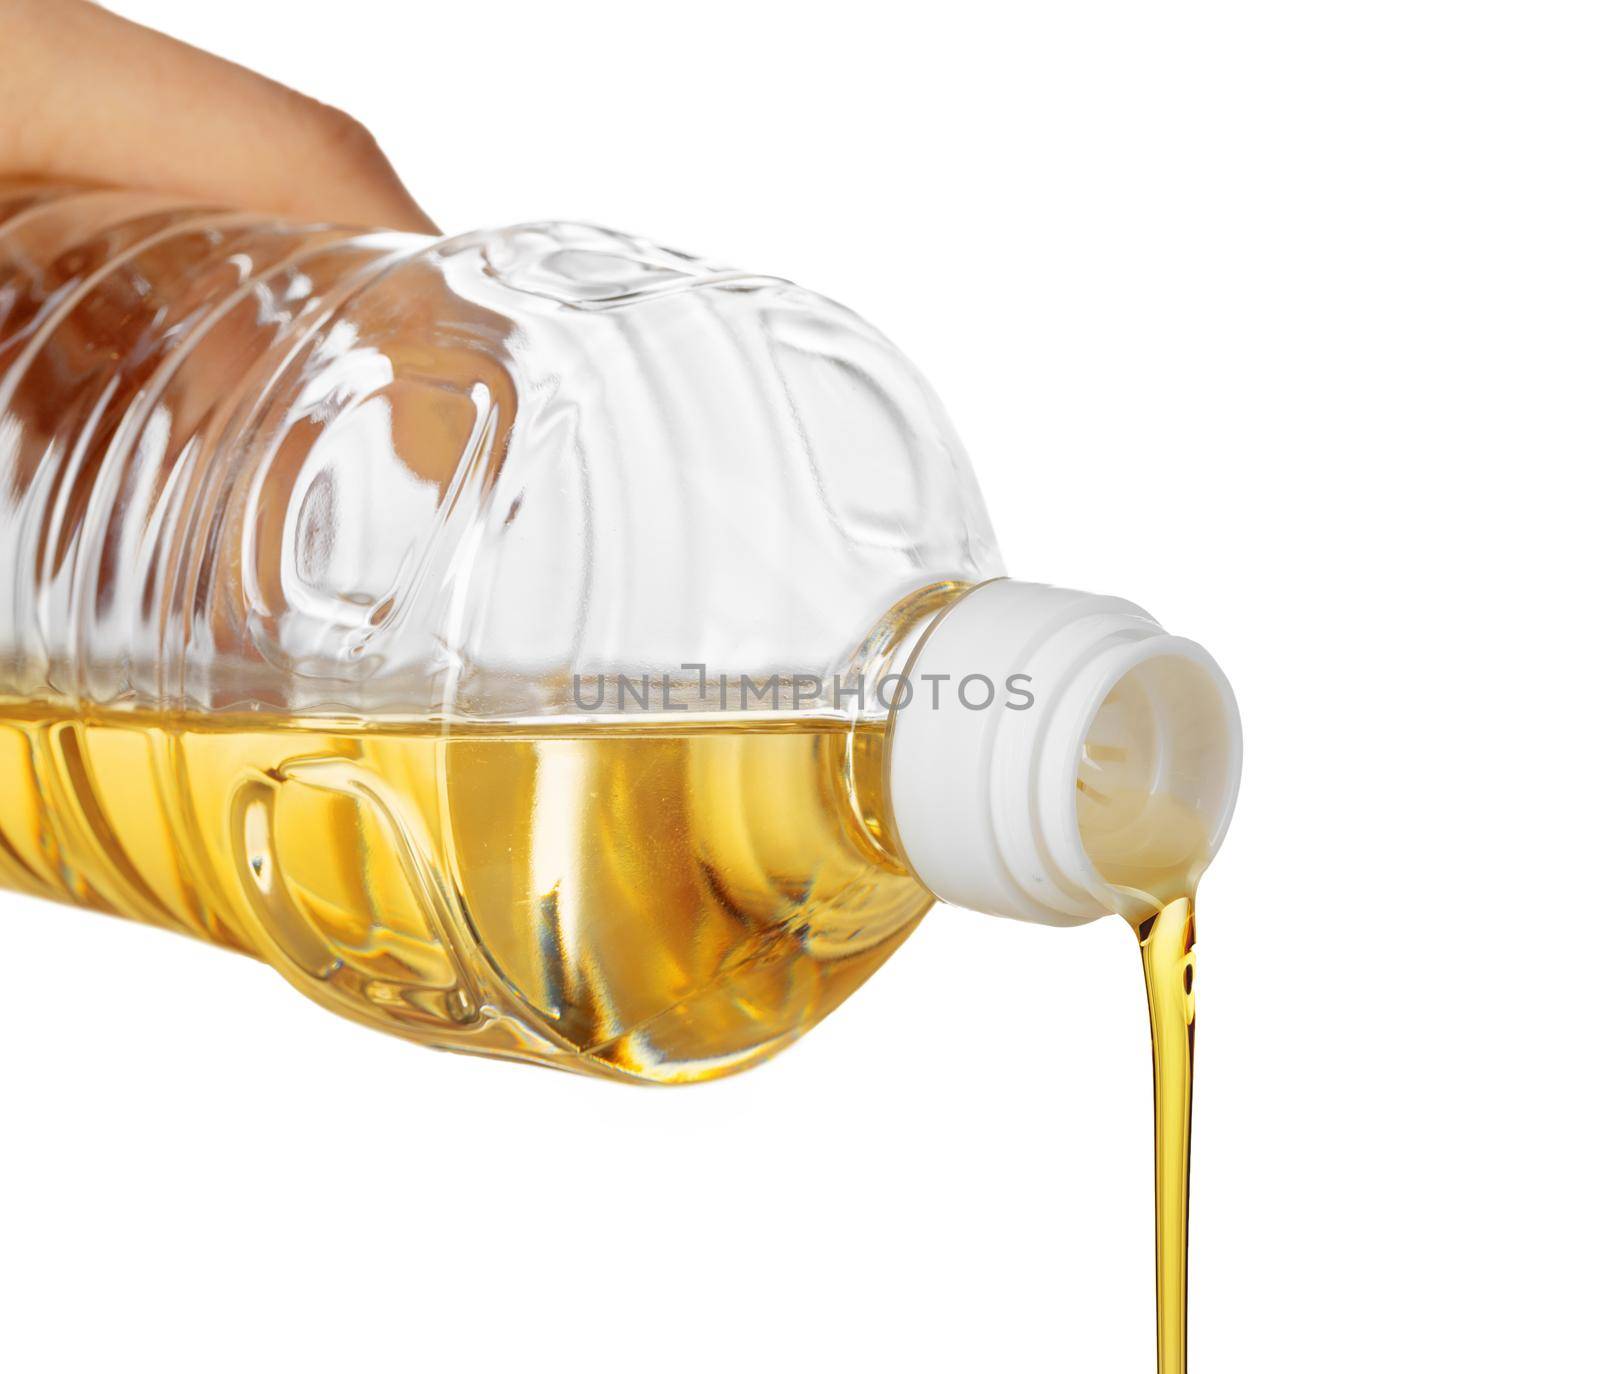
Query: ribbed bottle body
(371, 603)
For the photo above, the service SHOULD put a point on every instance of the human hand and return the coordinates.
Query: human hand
(86, 96)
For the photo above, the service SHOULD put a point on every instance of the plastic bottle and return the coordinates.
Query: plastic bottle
(538, 642)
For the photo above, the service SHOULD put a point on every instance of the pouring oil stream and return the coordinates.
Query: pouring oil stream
(1166, 946)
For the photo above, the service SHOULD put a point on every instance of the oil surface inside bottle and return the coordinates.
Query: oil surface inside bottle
(644, 899)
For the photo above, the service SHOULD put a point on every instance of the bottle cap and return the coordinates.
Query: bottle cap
(1056, 756)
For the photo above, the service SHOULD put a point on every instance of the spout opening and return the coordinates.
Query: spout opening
(1157, 771)
(1105, 787)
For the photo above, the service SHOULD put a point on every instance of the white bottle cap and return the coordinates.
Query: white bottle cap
(1098, 776)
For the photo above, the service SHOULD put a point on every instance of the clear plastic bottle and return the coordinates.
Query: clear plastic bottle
(526, 641)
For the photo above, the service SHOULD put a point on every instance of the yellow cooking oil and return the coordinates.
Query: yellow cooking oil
(647, 899)
(1166, 944)
(641, 898)
(1144, 844)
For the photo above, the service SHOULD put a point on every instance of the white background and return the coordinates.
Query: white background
(1280, 320)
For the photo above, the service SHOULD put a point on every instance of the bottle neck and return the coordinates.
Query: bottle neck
(1059, 756)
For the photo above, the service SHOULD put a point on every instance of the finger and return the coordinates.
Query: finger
(89, 96)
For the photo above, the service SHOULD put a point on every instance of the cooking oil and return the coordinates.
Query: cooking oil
(1145, 842)
(642, 899)
(1166, 944)
(646, 899)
